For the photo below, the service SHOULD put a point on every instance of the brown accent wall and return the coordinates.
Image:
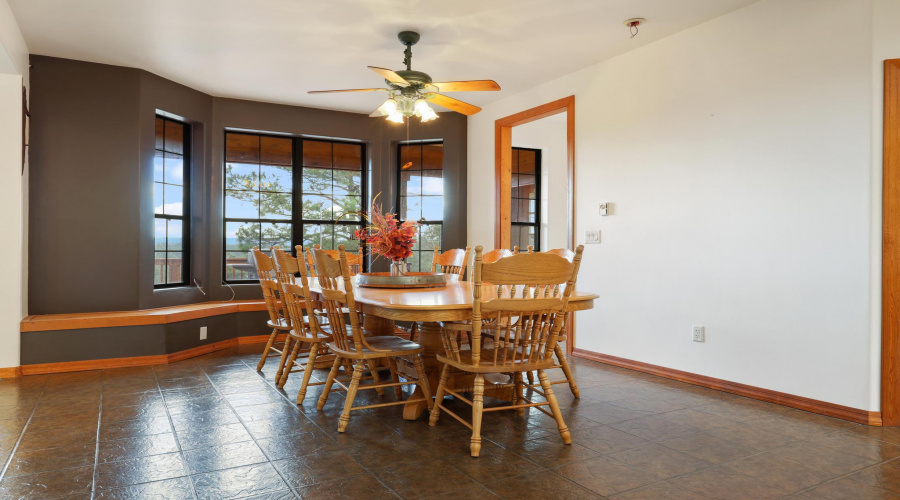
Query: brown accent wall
(91, 204)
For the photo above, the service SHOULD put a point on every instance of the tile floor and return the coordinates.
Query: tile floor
(212, 427)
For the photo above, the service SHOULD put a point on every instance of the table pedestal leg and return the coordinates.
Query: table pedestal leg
(430, 339)
(373, 325)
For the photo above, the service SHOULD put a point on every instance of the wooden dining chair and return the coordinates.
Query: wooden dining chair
(497, 254)
(526, 295)
(354, 260)
(561, 362)
(350, 345)
(278, 320)
(453, 261)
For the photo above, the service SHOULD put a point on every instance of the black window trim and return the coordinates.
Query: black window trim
(185, 217)
(296, 220)
(418, 142)
(537, 197)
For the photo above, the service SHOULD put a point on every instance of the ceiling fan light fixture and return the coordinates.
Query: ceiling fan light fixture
(389, 107)
(395, 117)
(424, 111)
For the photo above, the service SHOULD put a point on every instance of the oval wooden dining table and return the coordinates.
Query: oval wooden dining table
(382, 307)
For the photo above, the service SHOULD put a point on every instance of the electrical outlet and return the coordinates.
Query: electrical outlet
(592, 236)
(699, 333)
(202, 333)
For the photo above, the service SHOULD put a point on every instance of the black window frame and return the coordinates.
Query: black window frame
(185, 217)
(397, 197)
(537, 199)
(296, 220)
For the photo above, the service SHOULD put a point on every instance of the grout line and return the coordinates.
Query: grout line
(15, 448)
(187, 467)
(97, 442)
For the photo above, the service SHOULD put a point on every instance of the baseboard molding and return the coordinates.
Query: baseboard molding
(161, 359)
(11, 372)
(769, 396)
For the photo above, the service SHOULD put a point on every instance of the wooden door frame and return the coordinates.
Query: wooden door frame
(503, 174)
(890, 247)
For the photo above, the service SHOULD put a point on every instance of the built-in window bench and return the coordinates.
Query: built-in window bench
(56, 343)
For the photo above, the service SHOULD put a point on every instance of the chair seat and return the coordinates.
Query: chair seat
(281, 324)
(382, 347)
(486, 363)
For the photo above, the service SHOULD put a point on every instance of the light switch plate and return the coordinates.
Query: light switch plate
(604, 208)
(592, 237)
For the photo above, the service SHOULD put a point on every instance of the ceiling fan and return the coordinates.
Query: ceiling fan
(409, 91)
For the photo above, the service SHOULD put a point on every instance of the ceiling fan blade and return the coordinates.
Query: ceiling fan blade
(467, 86)
(376, 113)
(454, 104)
(345, 90)
(389, 75)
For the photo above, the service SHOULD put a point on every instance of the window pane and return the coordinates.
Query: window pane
(347, 182)
(317, 180)
(515, 160)
(432, 156)
(241, 235)
(174, 169)
(526, 161)
(318, 234)
(432, 182)
(241, 204)
(158, 198)
(523, 211)
(411, 208)
(174, 263)
(316, 207)
(348, 156)
(410, 182)
(277, 150)
(241, 148)
(345, 205)
(343, 235)
(158, 166)
(275, 178)
(273, 234)
(159, 234)
(238, 266)
(433, 207)
(241, 176)
(159, 268)
(175, 235)
(526, 184)
(275, 205)
(174, 137)
(160, 130)
(316, 154)
(430, 236)
(411, 154)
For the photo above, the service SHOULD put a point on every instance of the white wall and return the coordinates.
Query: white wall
(13, 185)
(739, 156)
(549, 135)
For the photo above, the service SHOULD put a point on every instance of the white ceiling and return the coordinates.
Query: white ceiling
(277, 50)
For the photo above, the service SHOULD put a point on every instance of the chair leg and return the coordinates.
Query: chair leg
(414, 331)
(307, 373)
(477, 411)
(269, 344)
(554, 407)
(351, 395)
(561, 357)
(519, 396)
(439, 397)
(530, 378)
(284, 355)
(289, 364)
(392, 364)
(423, 380)
(328, 383)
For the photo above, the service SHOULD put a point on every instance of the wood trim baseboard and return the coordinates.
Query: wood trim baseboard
(160, 316)
(769, 396)
(11, 372)
(160, 359)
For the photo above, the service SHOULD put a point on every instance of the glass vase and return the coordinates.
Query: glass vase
(398, 267)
